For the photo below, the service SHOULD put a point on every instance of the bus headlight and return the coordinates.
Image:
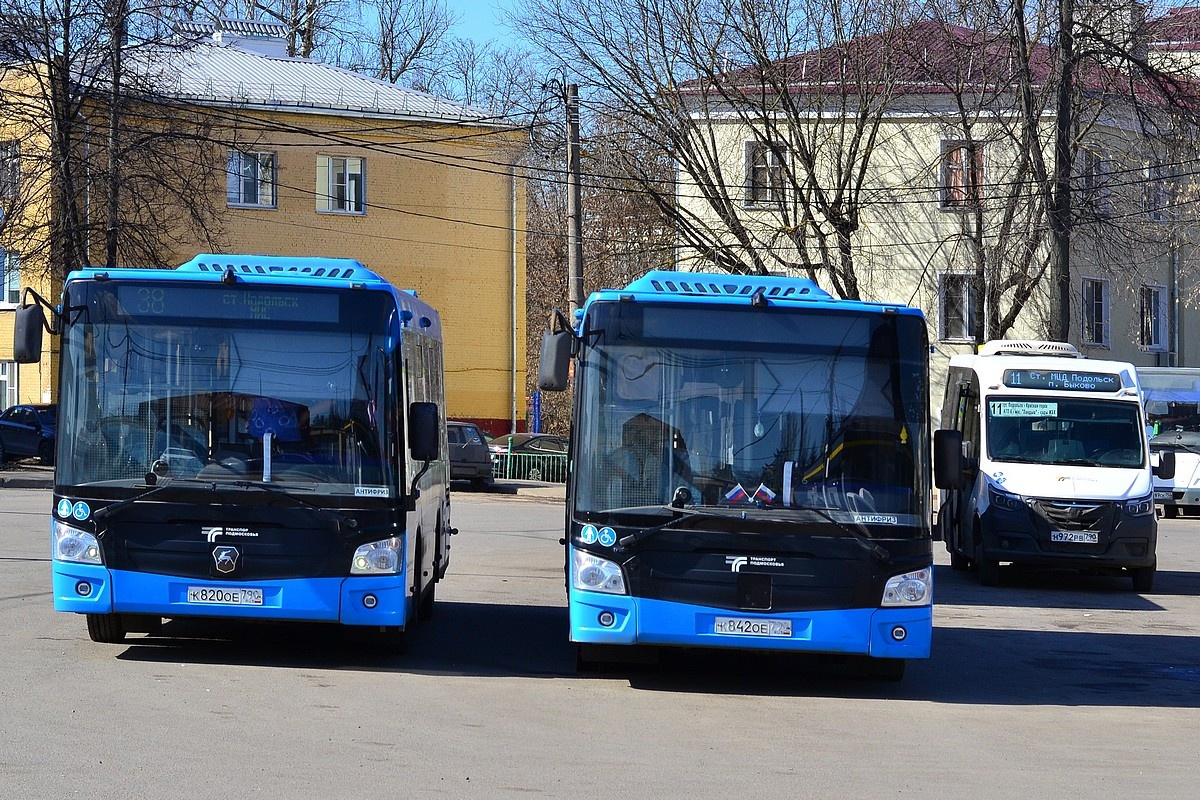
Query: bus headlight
(72, 544)
(1141, 507)
(909, 589)
(377, 558)
(590, 573)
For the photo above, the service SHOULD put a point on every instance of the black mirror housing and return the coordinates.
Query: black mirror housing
(28, 324)
(1166, 465)
(555, 362)
(423, 427)
(947, 459)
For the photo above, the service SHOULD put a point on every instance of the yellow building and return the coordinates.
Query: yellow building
(312, 160)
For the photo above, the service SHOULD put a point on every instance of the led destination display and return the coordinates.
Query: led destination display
(1062, 380)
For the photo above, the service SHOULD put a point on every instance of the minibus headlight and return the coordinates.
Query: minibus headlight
(591, 573)
(910, 589)
(1141, 507)
(72, 544)
(1005, 500)
(377, 558)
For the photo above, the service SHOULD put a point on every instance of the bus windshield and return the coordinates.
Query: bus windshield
(763, 410)
(1065, 430)
(228, 384)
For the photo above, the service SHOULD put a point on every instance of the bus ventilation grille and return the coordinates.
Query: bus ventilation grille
(277, 269)
(738, 289)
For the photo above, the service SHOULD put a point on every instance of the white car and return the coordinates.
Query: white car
(1181, 493)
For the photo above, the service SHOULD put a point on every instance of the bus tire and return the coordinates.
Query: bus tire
(989, 569)
(884, 669)
(1171, 512)
(426, 603)
(959, 561)
(1143, 578)
(105, 628)
(391, 641)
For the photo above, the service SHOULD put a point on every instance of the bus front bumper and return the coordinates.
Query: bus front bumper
(366, 600)
(879, 632)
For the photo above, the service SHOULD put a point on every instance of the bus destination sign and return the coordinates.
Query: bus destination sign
(1062, 380)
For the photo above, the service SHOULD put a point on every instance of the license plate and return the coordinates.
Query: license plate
(742, 626)
(220, 596)
(1162, 496)
(1075, 537)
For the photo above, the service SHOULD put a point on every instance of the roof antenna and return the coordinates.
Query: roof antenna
(229, 279)
(758, 299)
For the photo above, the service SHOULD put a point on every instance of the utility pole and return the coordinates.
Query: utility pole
(574, 205)
(1060, 209)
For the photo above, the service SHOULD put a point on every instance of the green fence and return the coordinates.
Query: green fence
(529, 467)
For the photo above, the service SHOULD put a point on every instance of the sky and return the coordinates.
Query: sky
(480, 19)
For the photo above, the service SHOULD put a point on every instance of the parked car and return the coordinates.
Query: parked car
(469, 456)
(28, 430)
(535, 443)
(530, 456)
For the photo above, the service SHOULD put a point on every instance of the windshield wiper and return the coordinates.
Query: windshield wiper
(128, 501)
(877, 550)
(339, 519)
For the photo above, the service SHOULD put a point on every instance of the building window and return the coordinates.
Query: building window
(8, 383)
(1157, 191)
(764, 174)
(1153, 334)
(10, 270)
(1095, 313)
(962, 174)
(957, 304)
(10, 169)
(250, 179)
(341, 186)
(1097, 190)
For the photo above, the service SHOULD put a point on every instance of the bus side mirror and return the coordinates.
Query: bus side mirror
(555, 361)
(1166, 465)
(947, 459)
(423, 426)
(28, 324)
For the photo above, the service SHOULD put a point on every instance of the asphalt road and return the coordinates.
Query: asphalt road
(1053, 686)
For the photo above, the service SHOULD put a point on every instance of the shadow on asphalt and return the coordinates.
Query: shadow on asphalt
(1027, 587)
(1070, 667)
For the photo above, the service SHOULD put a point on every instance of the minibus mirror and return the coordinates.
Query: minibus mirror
(1166, 465)
(28, 323)
(423, 431)
(947, 459)
(555, 361)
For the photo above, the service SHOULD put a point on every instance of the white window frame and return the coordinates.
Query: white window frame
(1097, 191)
(956, 327)
(8, 383)
(250, 169)
(1096, 313)
(962, 188)
(764, 175)
(1152, 333)
(1158, 192)
(10, 169)
(10, 279)
(341, 185)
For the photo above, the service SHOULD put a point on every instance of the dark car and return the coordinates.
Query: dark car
(530, 456)
(28, 430)
(547, 444)
(469, 456)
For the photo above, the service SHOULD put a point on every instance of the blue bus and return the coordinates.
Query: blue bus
(749, 469)
(249, 437)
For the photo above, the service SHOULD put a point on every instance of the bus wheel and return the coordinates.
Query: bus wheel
(883, 669)
(1171, 512)
(105, 628)
(959, 562)
(989, 570)
(1143, 578)
(392, 641)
